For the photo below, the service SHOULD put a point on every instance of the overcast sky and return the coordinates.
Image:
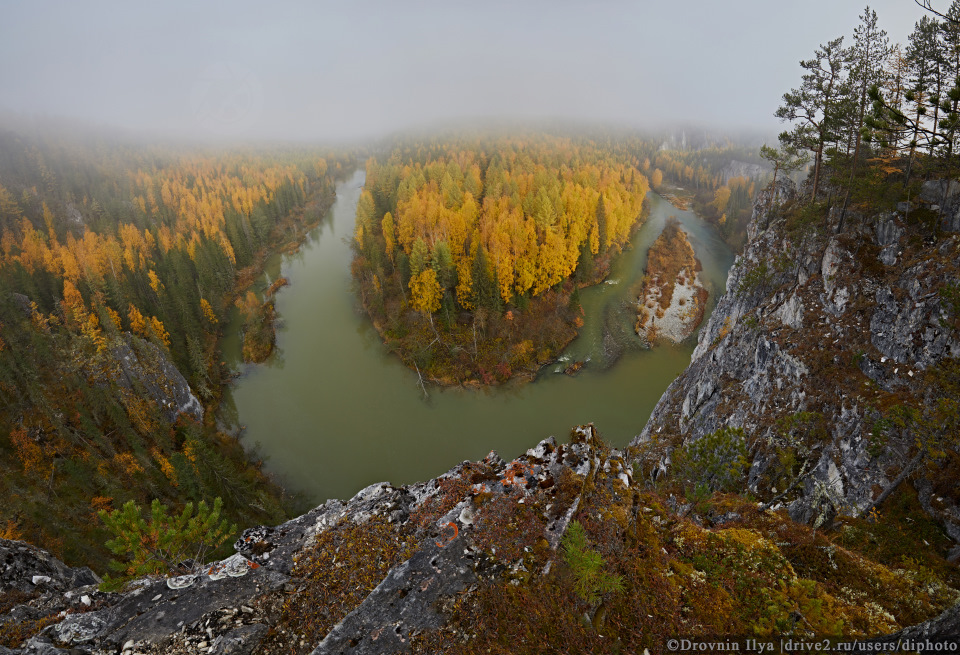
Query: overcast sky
(339, 70)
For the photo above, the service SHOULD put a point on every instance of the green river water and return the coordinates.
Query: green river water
(333, 411)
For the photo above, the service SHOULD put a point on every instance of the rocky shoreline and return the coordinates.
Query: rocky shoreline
(673, 300)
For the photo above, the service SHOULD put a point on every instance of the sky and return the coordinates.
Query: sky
(351, 69)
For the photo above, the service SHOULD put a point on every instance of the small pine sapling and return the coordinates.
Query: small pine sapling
(162, 543)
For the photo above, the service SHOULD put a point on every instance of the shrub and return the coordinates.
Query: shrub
(162, 543)
(717, 460)
(756, 278)
(590, 579)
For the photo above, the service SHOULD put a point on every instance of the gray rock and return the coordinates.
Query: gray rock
(405, 601)
(138, 617)
(143, 363)
(889, 231)
(26, 568)
(823, 310)
(766, 203)
(945, 198)
(735, 168)
(22, 302)
(889, 255)
(241, 641)
(947, 624)
(41, 646)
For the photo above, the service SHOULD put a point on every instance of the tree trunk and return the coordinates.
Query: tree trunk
(816, 171)
(904, 474)
(773, 187)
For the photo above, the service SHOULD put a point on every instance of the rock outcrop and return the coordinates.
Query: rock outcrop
(28, 569)
(821, 331)
(742, 169)
(228, 607)
(143, 364)
(453, 564)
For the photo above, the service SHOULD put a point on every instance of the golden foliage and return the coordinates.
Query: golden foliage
(539, 206)
(30, 453)
(425, 292)
(165, 466)
(11, 531)
(100, 504)
(156, 327)
(127, 463)
(208, 311)
(115, 318)
(138, 410)
(137, 323)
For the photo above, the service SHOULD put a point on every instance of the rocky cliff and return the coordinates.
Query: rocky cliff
(139, 364)
(833, 350)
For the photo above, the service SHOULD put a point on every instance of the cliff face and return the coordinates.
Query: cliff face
(140, 363)
(828, 328)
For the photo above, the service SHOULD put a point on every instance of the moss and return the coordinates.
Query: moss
(14, 633)
(757, 277)
(345, 564)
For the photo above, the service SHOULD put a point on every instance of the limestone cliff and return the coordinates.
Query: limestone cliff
(830, 325)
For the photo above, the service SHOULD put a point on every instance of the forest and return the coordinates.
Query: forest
(470, 252)
(702, 177)
(114, 252)
(873, 119)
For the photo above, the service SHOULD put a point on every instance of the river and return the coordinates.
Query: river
(332, 411)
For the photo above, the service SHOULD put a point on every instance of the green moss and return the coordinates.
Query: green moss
(757, 277)
(714, 462)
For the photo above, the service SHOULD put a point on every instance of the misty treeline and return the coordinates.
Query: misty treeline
(109, 249)
(719, 197)
(867, 109)
(470, 250)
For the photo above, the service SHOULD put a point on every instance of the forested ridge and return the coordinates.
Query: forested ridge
(114, 250)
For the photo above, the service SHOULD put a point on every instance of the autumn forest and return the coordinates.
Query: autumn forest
(111, 253)
(471, 252)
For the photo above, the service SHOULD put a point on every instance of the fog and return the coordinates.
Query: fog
(336, 71)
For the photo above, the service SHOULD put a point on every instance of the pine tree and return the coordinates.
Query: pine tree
(601, 213)
(484, 288)
(868, 56)
(814, 106)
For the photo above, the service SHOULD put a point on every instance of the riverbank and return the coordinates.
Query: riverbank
(333, 410)
(258, 319)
